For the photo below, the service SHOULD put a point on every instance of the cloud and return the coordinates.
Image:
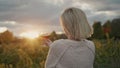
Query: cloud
(43, 15)
(2, 29)
(8, 23)
(55, 2)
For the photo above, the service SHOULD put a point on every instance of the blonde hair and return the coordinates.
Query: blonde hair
(75, 24)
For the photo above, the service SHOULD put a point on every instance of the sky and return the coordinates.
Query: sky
(42, 16)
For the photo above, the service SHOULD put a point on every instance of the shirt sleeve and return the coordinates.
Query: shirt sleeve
(55, 53)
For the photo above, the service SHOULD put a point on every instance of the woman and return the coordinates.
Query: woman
(76, 51)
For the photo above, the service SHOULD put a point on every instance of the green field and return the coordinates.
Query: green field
(27, 54)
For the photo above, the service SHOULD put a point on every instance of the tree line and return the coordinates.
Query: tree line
(110, 29)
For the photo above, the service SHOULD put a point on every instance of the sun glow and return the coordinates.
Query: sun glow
(30, 35)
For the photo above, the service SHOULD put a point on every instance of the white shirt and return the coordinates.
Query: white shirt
(67, 53)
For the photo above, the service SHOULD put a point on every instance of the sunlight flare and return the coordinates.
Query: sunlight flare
(30, 35)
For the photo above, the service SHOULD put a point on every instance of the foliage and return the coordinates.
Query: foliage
(110, 29)
(107, 27)
(107, 54)
(53, 36)
(98, 32)
(23, 54)
(32, 54)
(6, 37)
(107, 30)
(115, 25)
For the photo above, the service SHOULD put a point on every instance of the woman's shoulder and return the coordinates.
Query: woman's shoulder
(58, 41)
(90, 42)
(58, 44)
(91, 45)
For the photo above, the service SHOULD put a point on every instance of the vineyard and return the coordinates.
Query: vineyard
(32, 54)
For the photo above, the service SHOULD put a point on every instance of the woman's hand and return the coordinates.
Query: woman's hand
(47, 42)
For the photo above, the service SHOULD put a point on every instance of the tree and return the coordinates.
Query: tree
(115, 25)
(98, 32)
(6, 37)
(107, 30)
(107, 27)
(62, 36)
(53, 36)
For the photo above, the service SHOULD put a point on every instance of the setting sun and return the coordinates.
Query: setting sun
(30, 35)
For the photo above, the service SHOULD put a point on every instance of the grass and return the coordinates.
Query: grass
(107, 54)
(33, 55)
